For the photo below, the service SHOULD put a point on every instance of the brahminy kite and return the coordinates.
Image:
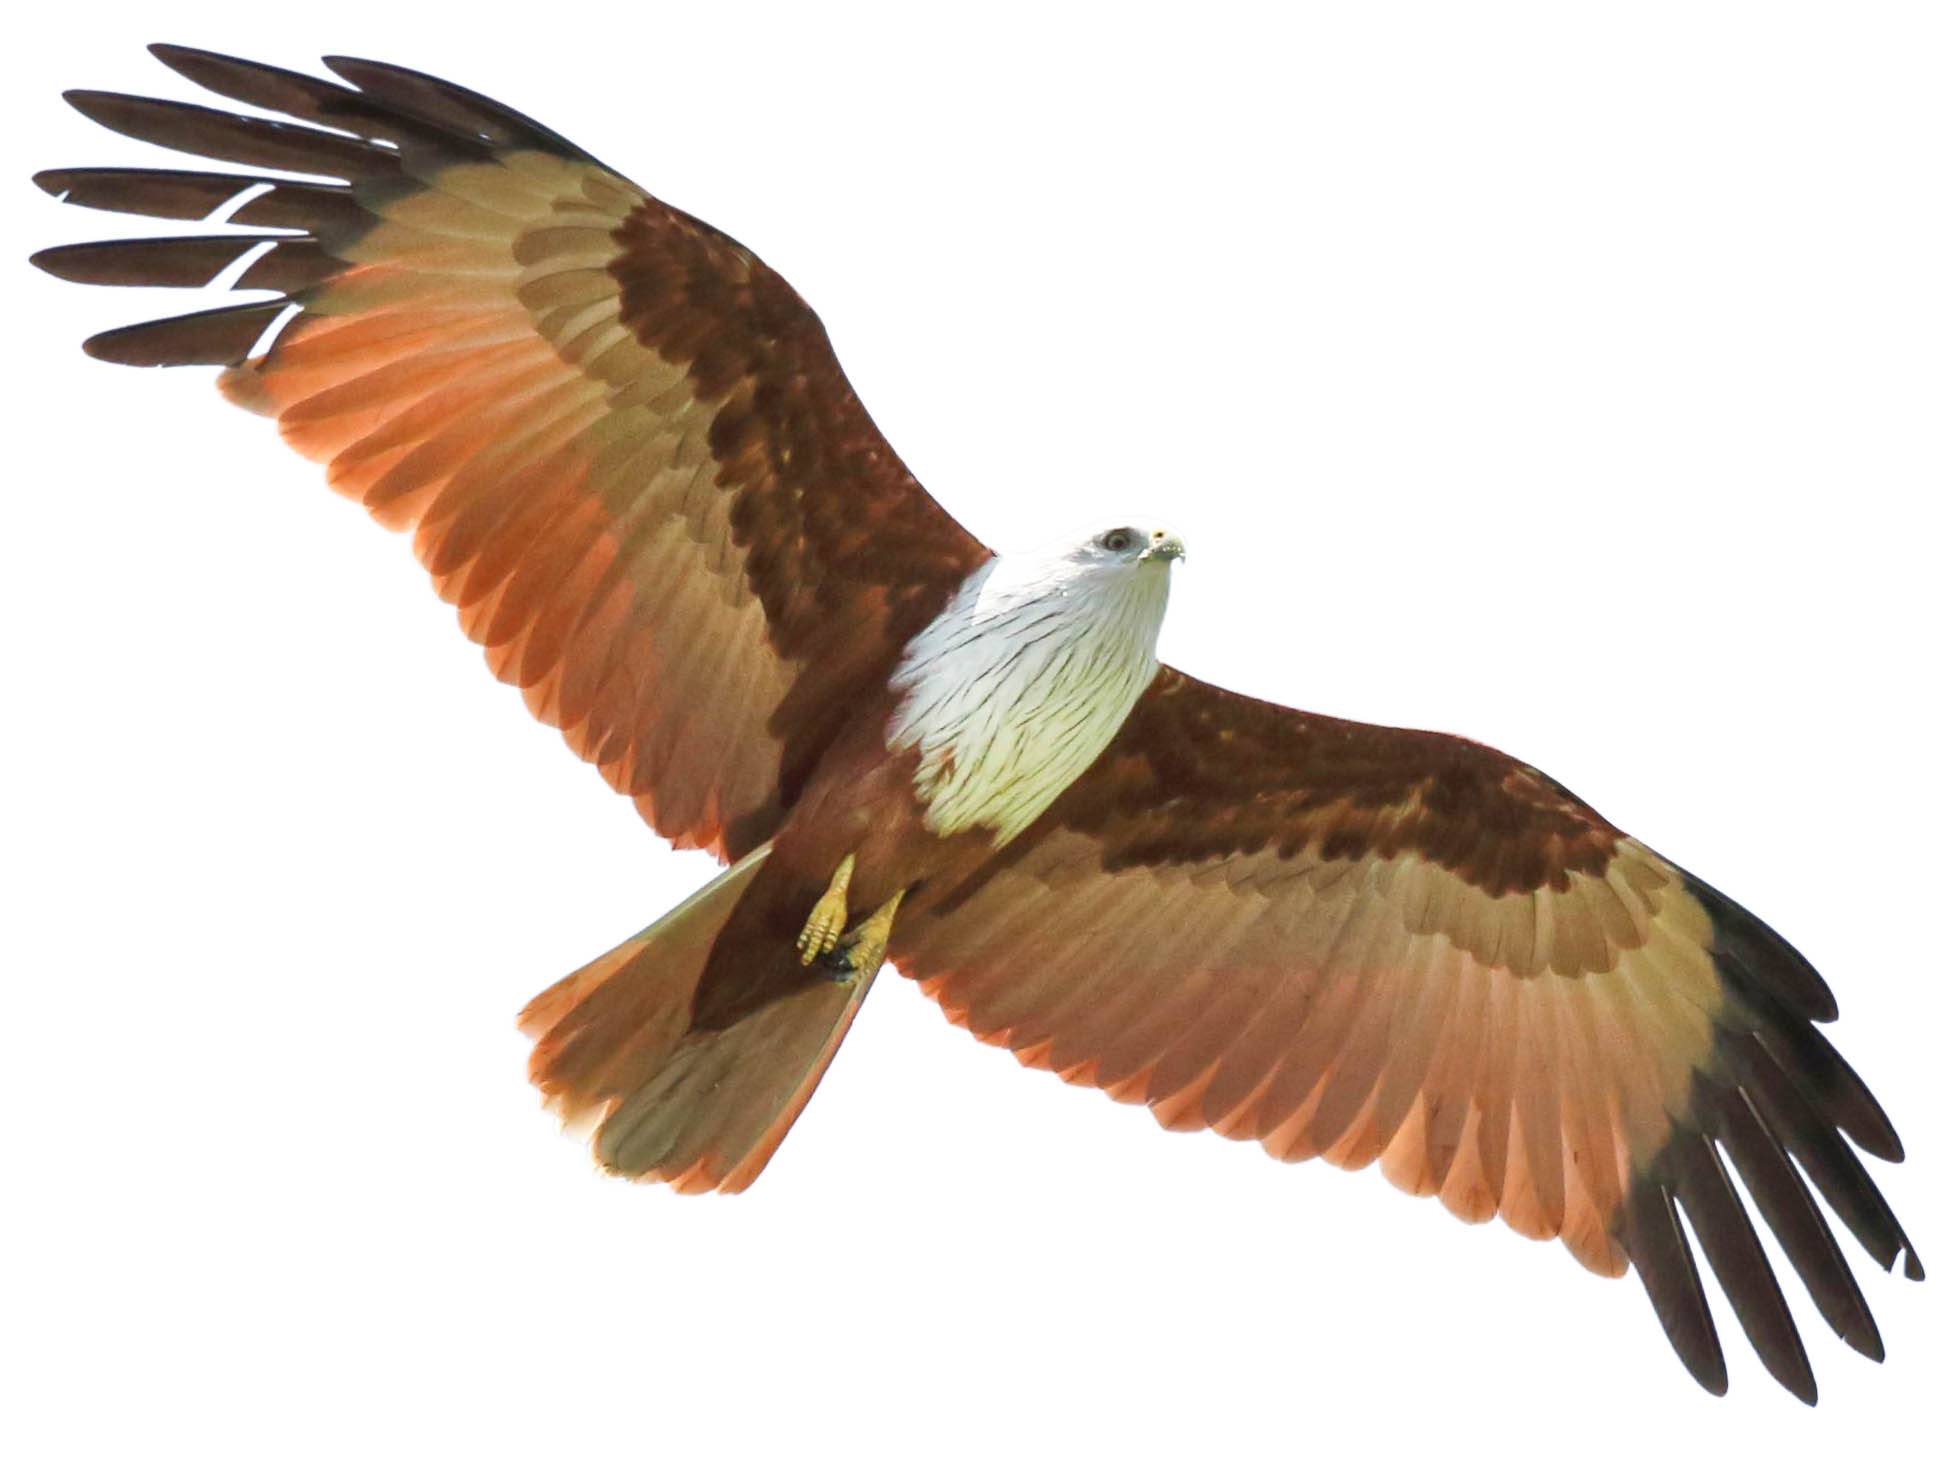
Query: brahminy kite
(630, 459)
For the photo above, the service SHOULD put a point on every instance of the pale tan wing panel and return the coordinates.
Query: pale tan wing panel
(1341, 1009)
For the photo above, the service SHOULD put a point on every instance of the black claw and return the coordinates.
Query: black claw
(837, 963)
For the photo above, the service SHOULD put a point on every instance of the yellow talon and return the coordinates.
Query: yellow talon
(827, 917)
(864, 948)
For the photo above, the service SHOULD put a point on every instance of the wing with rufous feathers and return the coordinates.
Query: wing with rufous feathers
(1378, 945)
(624, 446)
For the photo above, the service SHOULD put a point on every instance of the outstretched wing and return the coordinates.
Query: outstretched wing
(625, 447)
(1373, 944)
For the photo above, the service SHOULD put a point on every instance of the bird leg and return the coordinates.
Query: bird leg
(827, 917)
(861, 953)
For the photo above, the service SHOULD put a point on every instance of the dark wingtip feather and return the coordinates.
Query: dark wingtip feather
(1913, 1267)
(1791, 1214)
(306, 98)
(1758, 960)
(1829, 1161)
(450, 106)
(1836, 1091)
(176, 193)
(100, 106)
(195, 64)
(178, 260)
(235, 138)
(219, 338)
(1728, 1240)
(1650, 1231)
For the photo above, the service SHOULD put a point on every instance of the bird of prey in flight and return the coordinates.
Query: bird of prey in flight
(629, 458)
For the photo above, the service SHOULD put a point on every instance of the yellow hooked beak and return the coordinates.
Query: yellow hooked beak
(1163, 547)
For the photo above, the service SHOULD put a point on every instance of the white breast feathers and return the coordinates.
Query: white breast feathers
(1013, 690)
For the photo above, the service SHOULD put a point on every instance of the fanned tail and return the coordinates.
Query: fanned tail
(699, 1107)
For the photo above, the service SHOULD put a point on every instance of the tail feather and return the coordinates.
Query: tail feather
(603, 1030)
(620, 1053)
(722, 1103)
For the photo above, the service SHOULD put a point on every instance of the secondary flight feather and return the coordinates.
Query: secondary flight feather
(630, 459)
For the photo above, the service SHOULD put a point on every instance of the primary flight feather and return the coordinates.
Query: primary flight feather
(631, 461)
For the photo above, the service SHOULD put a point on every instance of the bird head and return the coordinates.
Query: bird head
(1127, 546)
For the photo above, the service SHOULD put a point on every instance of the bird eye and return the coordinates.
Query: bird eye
(1118, 540)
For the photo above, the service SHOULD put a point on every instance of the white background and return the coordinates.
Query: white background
(1576, 377)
